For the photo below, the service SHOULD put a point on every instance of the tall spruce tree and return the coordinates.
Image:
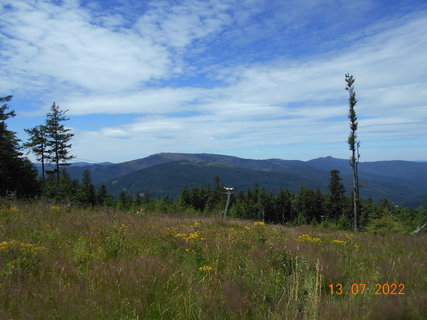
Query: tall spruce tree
(335, 197)
(64, 191)
(319, 202)
(216, 195)
(283, 206)
(184, 198)
(124, 201)
(103, 198)
(37, 144)
(16, 172)
(86, 191)
(354, 147)
(58, 138)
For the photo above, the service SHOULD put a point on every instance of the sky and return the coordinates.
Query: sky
(255, 79)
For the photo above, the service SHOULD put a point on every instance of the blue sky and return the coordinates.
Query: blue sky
(256, 79)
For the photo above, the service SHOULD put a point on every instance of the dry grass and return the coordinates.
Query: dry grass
(106, 264)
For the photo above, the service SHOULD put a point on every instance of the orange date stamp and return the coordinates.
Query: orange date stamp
(363, 288)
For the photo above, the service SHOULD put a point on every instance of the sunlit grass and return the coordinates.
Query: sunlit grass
(107, 264)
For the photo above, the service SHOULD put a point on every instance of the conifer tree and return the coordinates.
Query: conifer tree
(58, 138)
(217, 194)
(103, 198)
(37, 144)
(260, 204)
(64, 190)
(16, 172)
(86, 190)
(185, 199)
(336, 196)
(354, 147)
(319, 203)
(124, 200)
(137, 200)
(67, 187)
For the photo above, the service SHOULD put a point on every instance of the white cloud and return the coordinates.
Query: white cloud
(162, 100)
(177, 26)
(114, 132)
(258, 107)
(77, 50)
(101, 64)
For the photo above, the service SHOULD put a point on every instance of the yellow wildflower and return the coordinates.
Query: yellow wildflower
(338, 241)
(247, 228)
(195, 224)
(21, 246)
(206, 268)
(307, 238)
(259, 223)
(192, 235)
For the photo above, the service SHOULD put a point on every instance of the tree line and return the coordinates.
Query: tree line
(332, 209)
(306, 206)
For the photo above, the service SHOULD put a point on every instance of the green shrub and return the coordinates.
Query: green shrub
(384, 225)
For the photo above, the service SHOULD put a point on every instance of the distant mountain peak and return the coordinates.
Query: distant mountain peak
(325, 158)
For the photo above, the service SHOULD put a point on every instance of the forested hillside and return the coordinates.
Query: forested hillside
(403, 182)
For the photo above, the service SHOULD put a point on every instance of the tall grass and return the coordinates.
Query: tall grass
(59, 263)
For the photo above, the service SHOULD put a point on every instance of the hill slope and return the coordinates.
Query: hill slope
(101, 173)
(403, 182)
(170, 178)
(414, 173)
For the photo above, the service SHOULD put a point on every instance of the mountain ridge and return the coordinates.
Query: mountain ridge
(403, 182)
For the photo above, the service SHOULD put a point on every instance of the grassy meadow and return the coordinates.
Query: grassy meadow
(70, 263)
